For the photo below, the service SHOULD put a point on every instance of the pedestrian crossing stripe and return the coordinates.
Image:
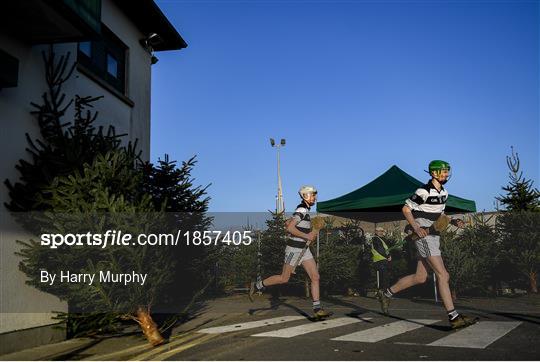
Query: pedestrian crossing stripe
(479, 335)
(250, 325)
(310, 327)
(386, 331)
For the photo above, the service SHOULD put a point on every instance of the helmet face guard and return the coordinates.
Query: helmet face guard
(437, 168)
(307, 190)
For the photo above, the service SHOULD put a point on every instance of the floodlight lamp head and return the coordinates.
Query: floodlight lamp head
(272, 142)
(283, 141)
(151, 41)
(154, 39)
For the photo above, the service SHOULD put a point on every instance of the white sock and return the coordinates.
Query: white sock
(453, 314)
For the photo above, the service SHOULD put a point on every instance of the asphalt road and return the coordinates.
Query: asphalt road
(416, 330)
(232, 328)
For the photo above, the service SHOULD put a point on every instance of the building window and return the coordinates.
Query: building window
(86, 48)
(105, 58)
(112, 65)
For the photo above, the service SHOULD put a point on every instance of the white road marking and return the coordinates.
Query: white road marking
(310, 327)
(250, 325)
(479, 335)
(389, 330)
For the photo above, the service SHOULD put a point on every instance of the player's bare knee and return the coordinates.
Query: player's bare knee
(420, 278)
(284, 278)
(444, 276)
(315, 278)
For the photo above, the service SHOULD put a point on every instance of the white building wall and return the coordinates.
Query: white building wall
(136, 120)
(15, 121)
(21, 306)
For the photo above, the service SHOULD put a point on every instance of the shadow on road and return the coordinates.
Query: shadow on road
(358, 311)
(276, 302)
(534, 319)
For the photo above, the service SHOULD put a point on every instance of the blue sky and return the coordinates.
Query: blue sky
(354, 87)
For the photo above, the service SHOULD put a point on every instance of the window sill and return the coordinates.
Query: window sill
(87, 72)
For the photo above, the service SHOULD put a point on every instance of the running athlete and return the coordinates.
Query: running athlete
(421, 210)
(300, 236)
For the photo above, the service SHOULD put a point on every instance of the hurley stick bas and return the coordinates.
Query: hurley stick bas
(438, 226)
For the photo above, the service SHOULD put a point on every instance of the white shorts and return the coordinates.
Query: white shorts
(428, 246)
(292, 255)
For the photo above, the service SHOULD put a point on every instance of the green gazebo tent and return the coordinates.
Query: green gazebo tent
(382, 199)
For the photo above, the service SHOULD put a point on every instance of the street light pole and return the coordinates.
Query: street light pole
(259, 276)
(280, 193)
(280, 207)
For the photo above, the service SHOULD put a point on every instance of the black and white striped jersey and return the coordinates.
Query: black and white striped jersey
(427, 202)
(303, 223)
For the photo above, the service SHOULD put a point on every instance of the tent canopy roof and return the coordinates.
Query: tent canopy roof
(385, 195)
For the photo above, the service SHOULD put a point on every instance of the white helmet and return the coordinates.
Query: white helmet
(307, 189)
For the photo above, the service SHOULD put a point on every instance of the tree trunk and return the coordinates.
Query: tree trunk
(149, 327)
(453, 293)
(308, 289)
(533, 280)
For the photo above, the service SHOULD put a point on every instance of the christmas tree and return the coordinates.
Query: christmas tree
(64, 146)
(272, 247)
(104, 196)
(185, 206)
(519, 224)
(520, 193)
(83, 180)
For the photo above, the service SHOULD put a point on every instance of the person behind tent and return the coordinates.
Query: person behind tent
(381, 258)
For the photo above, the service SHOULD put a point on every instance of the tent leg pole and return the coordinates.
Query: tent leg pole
(378, 283)
(435, 286)
(318, 250)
